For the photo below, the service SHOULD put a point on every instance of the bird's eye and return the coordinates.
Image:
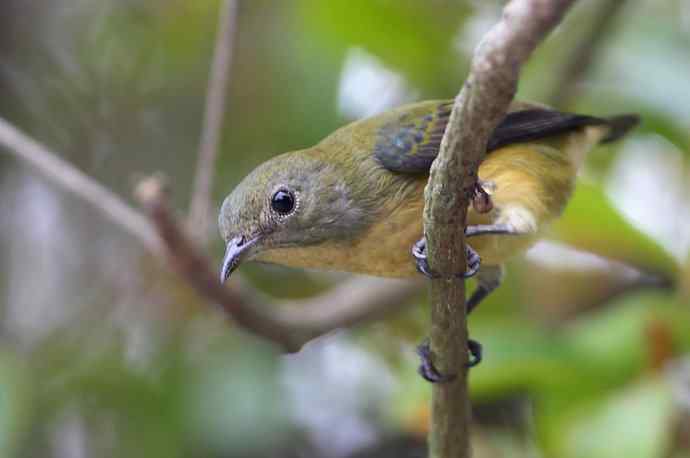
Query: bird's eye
(283, 202)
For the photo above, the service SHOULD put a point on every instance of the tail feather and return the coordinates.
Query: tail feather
(619, 126)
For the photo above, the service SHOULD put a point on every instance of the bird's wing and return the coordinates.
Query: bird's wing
(409, 138)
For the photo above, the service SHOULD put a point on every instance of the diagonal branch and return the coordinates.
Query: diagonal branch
(201, 206)
(289, 324)
(481, 104)
(68, 177)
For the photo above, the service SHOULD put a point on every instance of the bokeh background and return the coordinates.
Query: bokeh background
(103, 353)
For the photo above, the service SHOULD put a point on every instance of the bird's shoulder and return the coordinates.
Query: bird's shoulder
(404, 139)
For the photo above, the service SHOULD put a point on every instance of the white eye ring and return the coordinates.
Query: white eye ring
(283, 202)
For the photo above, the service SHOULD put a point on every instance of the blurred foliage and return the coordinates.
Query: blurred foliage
(102, 354)
(617, 239)
(415, 41)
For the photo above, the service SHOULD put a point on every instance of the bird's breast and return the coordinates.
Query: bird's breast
(384, 249)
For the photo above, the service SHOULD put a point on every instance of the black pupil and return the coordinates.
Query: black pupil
(283, 202)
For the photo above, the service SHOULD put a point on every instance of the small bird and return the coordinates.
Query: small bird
(354, 201)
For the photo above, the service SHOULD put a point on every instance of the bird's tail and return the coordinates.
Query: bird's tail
(619, 126)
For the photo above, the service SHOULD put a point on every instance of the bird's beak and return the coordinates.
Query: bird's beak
(234, 252)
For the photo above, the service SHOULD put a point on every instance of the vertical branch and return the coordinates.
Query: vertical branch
(481, 104)
(200, 206)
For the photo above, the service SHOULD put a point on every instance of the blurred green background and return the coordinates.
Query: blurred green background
(103, 354)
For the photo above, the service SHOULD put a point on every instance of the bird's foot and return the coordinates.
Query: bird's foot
(426, 367)
(474, 261)
(481, 199)
(420, 255)
(429, 372)
(420, 258)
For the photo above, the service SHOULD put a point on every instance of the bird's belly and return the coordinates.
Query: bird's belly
(385, 249)
(389, 255)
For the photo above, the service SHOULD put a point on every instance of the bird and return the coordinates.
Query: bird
(354, 201)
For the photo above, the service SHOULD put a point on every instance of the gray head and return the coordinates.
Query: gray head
(293, 200)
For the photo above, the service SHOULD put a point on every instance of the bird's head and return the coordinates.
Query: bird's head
(295, 200)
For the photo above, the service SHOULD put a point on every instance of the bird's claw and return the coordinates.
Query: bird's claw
(429, 372)
(475, 350)
(422, 263)
(474, 261)
(426, 367)
(481, 199)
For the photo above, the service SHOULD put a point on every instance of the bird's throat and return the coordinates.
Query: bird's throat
(382, 250)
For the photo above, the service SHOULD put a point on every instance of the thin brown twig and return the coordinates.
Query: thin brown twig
(201, 205)
(576, 68)
(481, 104)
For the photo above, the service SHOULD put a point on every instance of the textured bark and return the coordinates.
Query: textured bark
(481, 104)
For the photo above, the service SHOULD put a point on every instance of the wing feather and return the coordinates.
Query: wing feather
(410, 142)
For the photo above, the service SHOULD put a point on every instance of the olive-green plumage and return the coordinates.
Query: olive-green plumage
(354, 201)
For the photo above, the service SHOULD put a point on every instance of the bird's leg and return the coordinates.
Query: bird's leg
(489, 278)
(492, 229)
(473, 258)
(475, 350)
(427, 369)
(482, 203)
(429, 372)
(420, 255)
(515, 222)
